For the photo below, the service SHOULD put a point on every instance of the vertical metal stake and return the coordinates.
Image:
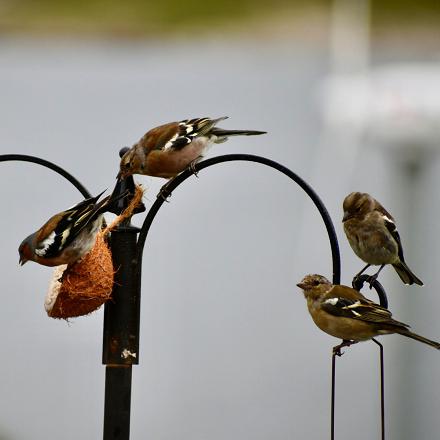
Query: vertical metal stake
(332, 423)
(121, 335)
(382, 389)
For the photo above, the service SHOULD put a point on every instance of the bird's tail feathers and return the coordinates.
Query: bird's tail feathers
(101, 206)
(96, 198)
(406, 275)
(107, 202)
(410, 334)
(223, 134)
(217, 120)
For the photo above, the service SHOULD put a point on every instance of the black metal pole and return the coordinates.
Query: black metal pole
(120, 348)
(121, 335)
(117, 402)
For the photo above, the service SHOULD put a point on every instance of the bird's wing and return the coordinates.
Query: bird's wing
(61, 229)
(177, 135)
(391, 226)
(338, 303)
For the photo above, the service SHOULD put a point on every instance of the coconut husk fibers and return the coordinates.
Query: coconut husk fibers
(80, 288)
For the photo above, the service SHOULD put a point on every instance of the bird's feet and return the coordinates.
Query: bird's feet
(359, 280)
(372, 279)
(357, 283)
(337, 349)
(192, 166)
(164, 193)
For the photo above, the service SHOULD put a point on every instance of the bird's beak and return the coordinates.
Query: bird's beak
(346, 216)
(22, 261)
(302, 285)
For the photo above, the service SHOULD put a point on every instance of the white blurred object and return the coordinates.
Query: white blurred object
(350, 36)
(396, 105)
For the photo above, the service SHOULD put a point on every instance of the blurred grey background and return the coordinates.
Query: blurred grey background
(349, 94)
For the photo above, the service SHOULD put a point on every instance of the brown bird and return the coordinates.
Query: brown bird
(67, 236)
(167, 150)
(345, 313)
(373, 236)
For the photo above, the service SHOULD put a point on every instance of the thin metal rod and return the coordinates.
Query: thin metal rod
(332, 411)
(382, 389)
(45, 163)
(336, 352)
(174, 183)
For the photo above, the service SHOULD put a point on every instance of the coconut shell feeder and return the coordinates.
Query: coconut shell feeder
(82, 287)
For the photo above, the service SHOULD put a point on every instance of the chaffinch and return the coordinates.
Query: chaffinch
(372, 234)
(345, 313)
(167, 150)
(67, 236)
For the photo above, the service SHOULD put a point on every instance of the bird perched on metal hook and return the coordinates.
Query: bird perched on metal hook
(67, 236)
(373, 236)
(167, 150)
(345, 313)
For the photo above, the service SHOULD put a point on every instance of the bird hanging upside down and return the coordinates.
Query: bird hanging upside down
(67, 236)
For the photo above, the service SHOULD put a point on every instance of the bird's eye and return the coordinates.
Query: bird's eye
(315, 282)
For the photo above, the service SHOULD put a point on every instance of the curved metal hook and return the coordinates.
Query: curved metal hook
(358, 283)
(45, 163)
(175, 182)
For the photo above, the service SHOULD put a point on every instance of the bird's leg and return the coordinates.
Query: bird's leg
(361, 272)
(164, 192)
(373, 278)
(345, 343)
(192, 166)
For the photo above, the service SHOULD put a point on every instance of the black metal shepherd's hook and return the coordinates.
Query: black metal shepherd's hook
(173, 184)
(358, 283)
(45, 163)
(122, 314)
